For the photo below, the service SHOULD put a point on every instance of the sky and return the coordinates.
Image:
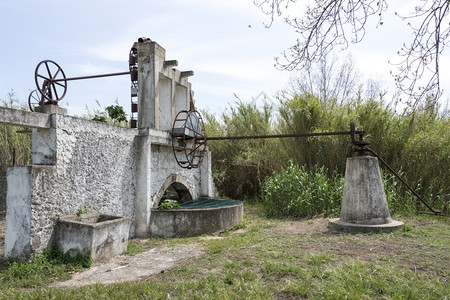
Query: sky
(224, 42)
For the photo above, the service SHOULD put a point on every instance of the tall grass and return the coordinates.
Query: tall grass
(241, 165)
(296, 192)
(12, 138)
(417, 144)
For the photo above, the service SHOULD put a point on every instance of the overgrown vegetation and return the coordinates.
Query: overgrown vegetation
(112, 114)
(169, 204)
(296, 192)
(415, 144)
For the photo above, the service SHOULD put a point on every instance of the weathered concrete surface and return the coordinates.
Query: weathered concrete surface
(18, 215)
(364, 205)
(51, 109)
(98, 236)
(2, 189)
(132, 268)
(193, 222)
(24, 118)
(364, 200)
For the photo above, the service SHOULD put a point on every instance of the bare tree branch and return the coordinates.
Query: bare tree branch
(330, 24)
(421, 57)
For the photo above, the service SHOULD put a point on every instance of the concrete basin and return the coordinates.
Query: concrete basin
(96, 235)
(197, 217)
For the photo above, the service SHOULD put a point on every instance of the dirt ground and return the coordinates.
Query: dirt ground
(2, 231)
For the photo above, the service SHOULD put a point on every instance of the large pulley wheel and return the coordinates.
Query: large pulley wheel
(188, 139)
(50, 81)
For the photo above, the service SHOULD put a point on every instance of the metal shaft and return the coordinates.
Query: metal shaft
(92, 76)
(272, 136)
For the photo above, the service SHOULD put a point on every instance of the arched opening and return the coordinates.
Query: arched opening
(176, 191)
(175, 187)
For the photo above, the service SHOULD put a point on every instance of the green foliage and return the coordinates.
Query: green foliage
(112, 114)
(72, 263)
(42, 269)
(169, 204)
(240, 165)
(297, 192)
(81, 210)
(417, 144)
(116, 113)
(99, 118)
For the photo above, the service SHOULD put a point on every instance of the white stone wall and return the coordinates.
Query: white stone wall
(93, 170)
(96, 167)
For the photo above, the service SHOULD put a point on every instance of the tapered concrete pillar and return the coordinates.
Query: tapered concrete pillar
(364, 206)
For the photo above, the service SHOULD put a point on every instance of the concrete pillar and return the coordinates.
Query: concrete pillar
(165, 103)
(206, 181)
(151, 58)
(18, 214)
(43, 146)
(364, 206)
(143, 202)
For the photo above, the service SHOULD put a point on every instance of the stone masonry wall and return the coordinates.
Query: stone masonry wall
(94, 170)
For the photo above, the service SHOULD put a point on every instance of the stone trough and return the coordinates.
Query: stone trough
(96, 235)
(197, 217)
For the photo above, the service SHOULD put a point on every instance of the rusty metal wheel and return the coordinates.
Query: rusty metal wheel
(188, 139)
(35, 99)
(50, 81)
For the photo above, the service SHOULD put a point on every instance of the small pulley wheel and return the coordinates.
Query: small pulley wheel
(188, 139)
(50, 81)
(35, 99)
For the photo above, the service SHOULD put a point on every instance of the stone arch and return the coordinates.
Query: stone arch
(174, 187)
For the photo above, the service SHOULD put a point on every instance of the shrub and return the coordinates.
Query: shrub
(296, 192)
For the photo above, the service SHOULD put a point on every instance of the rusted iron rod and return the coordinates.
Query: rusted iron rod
(274, 136)
(93, 76)
(404, 182)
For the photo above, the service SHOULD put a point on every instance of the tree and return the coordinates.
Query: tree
(116, 113)
(331, 23)
(329, 80)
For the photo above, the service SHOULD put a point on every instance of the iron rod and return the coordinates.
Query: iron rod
(404, 182)
(92, 76)
(272, 136)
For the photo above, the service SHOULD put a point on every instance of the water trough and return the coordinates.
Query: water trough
(197, 217)
(99, 236)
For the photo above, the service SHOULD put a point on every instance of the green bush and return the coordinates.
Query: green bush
(297, 192)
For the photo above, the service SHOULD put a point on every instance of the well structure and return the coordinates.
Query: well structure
(79, 163)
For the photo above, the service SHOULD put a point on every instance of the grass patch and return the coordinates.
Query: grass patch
(290, 259)
(45, 268)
